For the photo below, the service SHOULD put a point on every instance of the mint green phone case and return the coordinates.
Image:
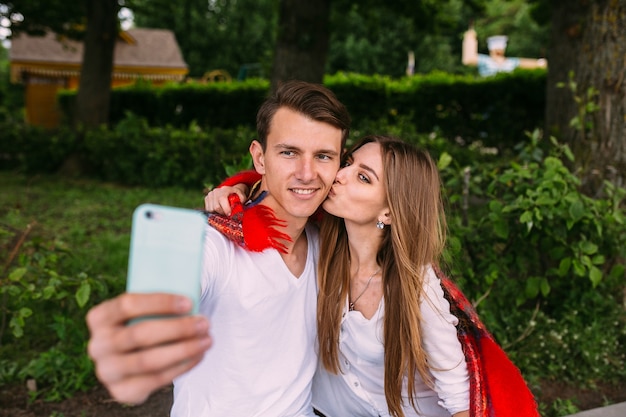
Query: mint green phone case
(166, 248)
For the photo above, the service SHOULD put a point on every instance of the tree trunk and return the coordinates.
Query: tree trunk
(303, 38)
(588, 40)
(94, 90)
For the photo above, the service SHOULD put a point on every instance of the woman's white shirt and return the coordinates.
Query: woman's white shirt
(358, 390)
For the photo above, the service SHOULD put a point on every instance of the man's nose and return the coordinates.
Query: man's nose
(305, 170)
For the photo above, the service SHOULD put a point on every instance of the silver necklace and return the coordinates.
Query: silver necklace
(351, 304)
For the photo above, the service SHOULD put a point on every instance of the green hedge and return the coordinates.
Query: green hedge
(131, 153)
(33, 149)
(496, 110)
(186, 134)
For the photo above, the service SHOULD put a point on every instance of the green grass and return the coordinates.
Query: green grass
(91, 217)
(80, 234)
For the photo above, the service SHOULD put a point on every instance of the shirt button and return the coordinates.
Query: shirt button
(356, 384)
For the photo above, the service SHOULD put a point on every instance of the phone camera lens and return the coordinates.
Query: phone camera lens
(148, 214)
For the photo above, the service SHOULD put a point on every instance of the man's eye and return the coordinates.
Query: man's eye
(324, 157)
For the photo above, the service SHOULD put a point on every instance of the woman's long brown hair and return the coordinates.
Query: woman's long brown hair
(415, 239)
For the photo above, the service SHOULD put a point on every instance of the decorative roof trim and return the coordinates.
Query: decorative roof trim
(19, 69)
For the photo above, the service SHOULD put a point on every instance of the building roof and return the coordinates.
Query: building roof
(139, 53)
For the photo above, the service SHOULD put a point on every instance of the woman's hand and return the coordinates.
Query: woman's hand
(216, 201)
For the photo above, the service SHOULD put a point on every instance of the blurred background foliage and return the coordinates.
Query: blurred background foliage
(366, 37)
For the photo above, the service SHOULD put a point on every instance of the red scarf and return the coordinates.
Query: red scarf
(497, 388)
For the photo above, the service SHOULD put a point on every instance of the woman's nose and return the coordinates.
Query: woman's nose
(340, 177)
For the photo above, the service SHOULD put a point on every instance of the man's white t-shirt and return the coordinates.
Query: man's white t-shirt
(263, 325)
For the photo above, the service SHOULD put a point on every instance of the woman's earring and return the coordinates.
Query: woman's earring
(380, 225)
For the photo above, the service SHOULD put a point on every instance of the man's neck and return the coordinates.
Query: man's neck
(296, 252)
(294, 228)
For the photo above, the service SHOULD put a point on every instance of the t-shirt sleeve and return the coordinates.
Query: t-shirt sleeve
(216, 250)
(441, 343)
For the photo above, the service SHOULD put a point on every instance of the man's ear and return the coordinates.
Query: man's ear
(258, 156)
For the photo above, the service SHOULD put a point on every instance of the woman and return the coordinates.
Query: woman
(388, 343)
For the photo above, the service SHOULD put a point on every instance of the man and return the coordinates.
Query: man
(262, 305)
(496, 61)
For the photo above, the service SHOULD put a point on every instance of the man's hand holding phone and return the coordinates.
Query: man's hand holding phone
(143, 339)
(134, 361)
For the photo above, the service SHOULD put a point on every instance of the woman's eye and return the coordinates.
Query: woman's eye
(364, 178)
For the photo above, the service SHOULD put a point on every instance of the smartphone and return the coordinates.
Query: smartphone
(166, 246)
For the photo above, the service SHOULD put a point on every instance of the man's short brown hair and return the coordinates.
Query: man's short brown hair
(312, 100)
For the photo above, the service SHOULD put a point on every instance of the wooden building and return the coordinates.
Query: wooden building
(48, 63)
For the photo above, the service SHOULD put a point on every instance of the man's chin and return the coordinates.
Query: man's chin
(307, 212)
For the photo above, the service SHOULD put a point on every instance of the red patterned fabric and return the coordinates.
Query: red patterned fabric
(252, 226)
(497, 388)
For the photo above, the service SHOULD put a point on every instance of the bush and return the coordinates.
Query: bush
(544, 262)
(223, 105)
(494, 111)
(30, 288)
(134, 153)
(131, 153)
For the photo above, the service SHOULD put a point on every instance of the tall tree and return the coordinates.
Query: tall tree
(94, 22)
(588, 41)
(375, 38)
(302, 43)
(219, 34)
(304, 30)
(528, 36)
(94, 90)
(37, 17)
(365, 36)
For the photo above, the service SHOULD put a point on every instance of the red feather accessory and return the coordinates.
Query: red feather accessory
(252, 226)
